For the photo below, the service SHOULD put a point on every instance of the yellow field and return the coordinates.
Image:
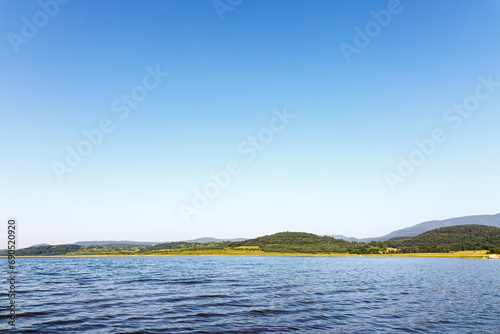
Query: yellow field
(463, 254)
(247, 247)
(255, 251)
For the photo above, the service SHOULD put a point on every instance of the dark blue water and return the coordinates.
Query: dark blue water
(255, 295)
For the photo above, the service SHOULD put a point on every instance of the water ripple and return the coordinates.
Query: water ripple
(256, 295)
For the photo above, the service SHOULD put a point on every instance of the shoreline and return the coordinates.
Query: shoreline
(453, 255)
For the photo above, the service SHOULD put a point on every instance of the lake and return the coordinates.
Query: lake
(255, 295)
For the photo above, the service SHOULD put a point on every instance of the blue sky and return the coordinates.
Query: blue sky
(325, 172)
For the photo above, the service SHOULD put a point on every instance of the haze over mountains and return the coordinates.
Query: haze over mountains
(111, 243)
(447, 239)
(488, 220)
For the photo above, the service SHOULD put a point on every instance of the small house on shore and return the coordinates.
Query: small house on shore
(389, 249)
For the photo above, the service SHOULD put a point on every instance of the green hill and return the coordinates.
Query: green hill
(115, 249)
(452, 238)
(300, 242)
(445, 239)
(48, 250)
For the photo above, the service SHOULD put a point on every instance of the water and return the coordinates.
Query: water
(255, 295)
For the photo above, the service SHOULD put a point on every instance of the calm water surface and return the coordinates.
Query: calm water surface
(255, 295)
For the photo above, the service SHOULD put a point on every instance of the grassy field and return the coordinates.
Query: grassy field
(463, 254)
(255, 251)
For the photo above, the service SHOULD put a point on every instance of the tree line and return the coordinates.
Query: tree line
(441, 240)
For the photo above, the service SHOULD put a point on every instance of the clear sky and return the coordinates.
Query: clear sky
(308, 112)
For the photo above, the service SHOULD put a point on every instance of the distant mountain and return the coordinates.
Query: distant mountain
(488, 220)
(38, 245)
(111, 243)
(444, 239)
(208, 239)
(115, 243)
(343, 237)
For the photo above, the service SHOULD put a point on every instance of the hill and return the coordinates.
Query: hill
(301, 242)
(450, 238)
(445, 239)
(47, 250)
(487, 220)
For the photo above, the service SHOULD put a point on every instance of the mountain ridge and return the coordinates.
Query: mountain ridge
(450, 238)
(441, 240)
(127, 243)
(412, 231)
